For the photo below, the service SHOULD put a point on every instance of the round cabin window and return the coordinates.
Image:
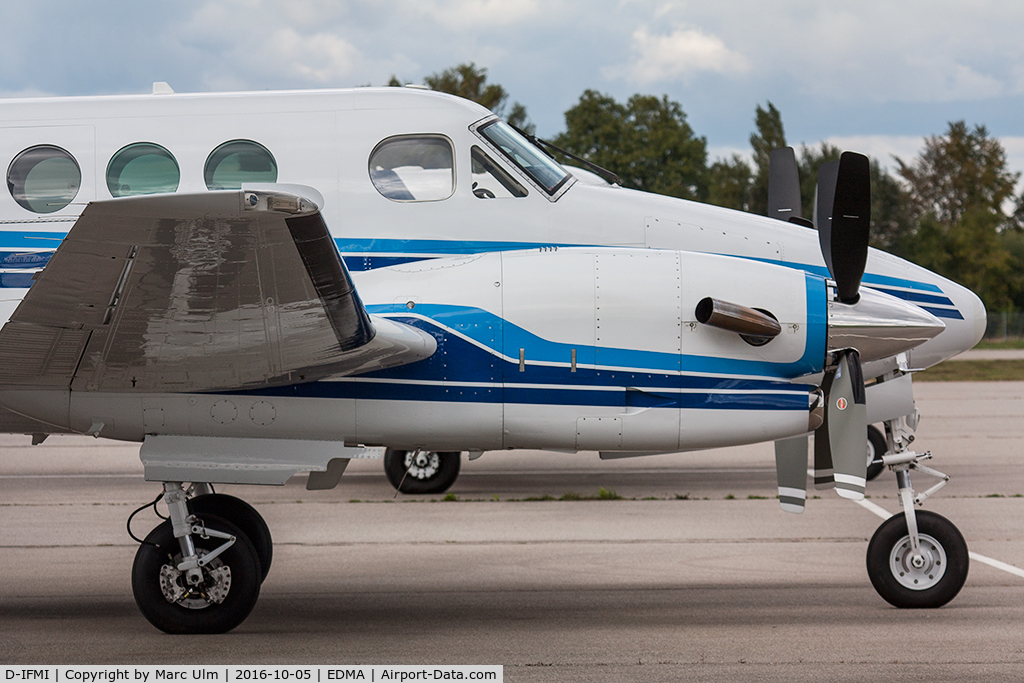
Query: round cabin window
(237, 162)
(142, 168)
(44, 178)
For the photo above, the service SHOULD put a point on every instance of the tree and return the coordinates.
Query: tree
(729, 183)
(646, 142)
(770, 135)
(957, 190)
(957, 172)
(470, 81)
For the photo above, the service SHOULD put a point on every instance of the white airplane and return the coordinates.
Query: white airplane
(256, 285)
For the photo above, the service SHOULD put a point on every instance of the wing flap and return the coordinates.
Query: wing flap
(220, 290)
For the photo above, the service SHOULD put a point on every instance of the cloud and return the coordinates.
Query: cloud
(319, 58)
(680, 54)
(461, 15)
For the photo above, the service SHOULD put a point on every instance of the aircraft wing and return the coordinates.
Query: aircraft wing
(197, 292)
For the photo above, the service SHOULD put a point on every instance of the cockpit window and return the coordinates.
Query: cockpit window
(491, 181)
(414, 168)
(540, 167)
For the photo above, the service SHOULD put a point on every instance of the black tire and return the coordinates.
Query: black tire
(245, 517)
(196, 614)
(436, 476)
(877, 447)
(941, 584)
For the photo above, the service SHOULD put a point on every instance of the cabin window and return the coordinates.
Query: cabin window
(414, 168)
(142, 168)
(44, 178)
(237, 162)
(490, 181)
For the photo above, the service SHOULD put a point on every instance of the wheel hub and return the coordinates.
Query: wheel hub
(919, 571)
(422, 465)
(214, 588)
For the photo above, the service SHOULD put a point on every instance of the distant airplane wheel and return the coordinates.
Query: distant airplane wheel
(223, 599)
(876, 449)
(245, 517)
(420, 472)
(929, 580)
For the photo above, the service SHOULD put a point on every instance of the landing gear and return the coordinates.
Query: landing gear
(422, 472)
(198, 572)
(876, 449)
(930, 577)
(916, 559)
(242, 515)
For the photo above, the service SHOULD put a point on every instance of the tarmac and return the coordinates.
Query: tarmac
(693, 574)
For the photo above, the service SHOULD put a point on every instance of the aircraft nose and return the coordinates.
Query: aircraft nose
(963, 330)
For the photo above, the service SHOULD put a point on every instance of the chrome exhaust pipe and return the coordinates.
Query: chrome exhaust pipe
(756, 327)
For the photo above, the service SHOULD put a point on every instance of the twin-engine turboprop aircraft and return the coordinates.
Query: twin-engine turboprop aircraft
(266, 284)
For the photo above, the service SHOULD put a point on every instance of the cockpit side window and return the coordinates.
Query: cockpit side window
(414, 168)
(541, 168)
(491, 181)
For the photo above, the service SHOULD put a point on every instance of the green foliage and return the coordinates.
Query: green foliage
(957, 172)
(957, 189)
(646, 142)
(470, 81)
(730, 183)
(770, 135)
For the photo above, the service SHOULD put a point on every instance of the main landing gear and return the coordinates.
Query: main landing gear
(915, 558)
(200, 571)
(422, 472)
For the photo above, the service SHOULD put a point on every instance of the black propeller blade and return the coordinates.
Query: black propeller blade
(783, 184)
(844, 231)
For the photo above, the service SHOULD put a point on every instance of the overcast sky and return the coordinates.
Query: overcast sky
(873, 76)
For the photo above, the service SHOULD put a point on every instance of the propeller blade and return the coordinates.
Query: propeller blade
(843, 233)
(847, 424)
(823, 473)
(783, 185)
(791, 471)
(824, 196)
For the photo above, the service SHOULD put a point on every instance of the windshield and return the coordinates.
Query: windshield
(540, 167)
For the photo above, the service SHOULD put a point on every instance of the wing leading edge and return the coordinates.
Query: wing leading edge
(204, 292)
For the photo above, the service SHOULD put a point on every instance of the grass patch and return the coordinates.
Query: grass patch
(571, 495)
(1003, 344)
(730, 497)
(753, 497)
(682, 496)
(607, 494)
(450, 498)
(974, 371)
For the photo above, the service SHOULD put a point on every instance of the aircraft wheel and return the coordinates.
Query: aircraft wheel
(242, 515)
(228, 592)
(931, 580)
(428, 471)
(876, 449)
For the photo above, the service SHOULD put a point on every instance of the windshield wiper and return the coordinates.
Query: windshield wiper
(544, 144)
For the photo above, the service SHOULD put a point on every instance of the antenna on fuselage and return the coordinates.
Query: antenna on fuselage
(162, 88)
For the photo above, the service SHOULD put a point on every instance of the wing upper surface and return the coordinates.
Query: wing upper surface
(203, 292)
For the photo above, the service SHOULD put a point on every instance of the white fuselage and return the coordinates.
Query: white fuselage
(327, 140)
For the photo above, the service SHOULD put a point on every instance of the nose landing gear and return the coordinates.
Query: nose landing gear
(916, 558)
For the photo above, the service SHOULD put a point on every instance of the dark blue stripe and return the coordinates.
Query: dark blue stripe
(916, 297)
(951, 314)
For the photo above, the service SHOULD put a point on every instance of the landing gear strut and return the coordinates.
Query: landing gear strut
(915, 559)
(198, 572)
